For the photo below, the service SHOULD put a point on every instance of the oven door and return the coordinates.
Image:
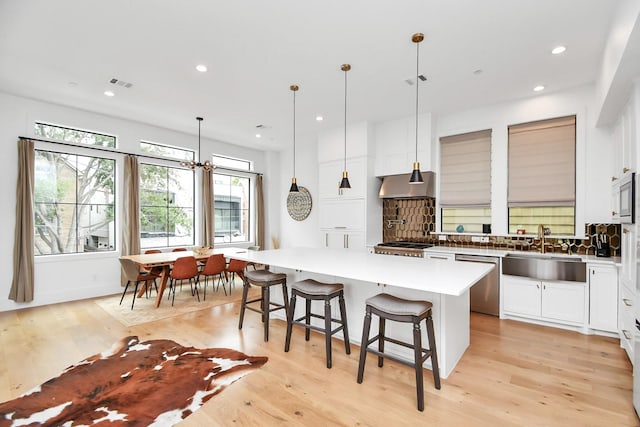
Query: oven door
(627, 199)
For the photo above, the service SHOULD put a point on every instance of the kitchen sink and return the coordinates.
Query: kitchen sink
(545, 267)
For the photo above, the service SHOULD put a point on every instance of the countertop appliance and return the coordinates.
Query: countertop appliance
(485, 294)
(402, 248)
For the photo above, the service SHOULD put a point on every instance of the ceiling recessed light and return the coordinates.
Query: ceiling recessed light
(538, 88)
(258, 135)
(558, 50)
(319, 118)
(201, 68)
(109, 93)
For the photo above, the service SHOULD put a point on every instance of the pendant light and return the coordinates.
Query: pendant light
(344, 184)
(207, 165)
(294, 184)
(416, 176)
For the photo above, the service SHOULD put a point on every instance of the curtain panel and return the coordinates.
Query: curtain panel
(208, 228)
(260, 232)
(22, 285)
(131, 209)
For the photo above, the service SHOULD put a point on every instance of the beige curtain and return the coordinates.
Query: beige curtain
(207, 208)
(259, 213)
(131, 209)
(22, 283)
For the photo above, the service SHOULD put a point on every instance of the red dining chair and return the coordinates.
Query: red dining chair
(234, 267)
(133, 274)
(185, 268)
(179, 250)
(214, 268)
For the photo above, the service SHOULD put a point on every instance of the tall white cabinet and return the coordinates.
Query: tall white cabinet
(351, 218)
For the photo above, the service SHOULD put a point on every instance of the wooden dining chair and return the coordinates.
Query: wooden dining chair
(234, 267)
(179, 250)
(133, 274)
(185, 268)
(152, 270)
(214, 267)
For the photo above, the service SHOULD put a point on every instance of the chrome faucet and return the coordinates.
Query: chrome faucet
(541, 237)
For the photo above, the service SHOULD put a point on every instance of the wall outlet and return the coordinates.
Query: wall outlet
(484, 239)
(442, 238)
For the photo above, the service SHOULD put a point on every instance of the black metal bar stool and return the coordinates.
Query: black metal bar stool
(387, 306)
(310, 289)
(264, 279)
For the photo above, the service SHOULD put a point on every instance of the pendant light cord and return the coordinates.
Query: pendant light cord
(345, 120)
(294, 133)
(417, 85)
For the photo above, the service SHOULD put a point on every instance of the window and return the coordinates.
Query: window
(465, 181)
(231, 208)
(74, 135)
(73, 203)
(166, 206)
(230, 162)
(167, 151)
(542, 159)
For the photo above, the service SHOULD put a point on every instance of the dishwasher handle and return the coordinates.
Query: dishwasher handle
(478, 258)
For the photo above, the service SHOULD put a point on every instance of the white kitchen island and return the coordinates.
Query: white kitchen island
(445, 283)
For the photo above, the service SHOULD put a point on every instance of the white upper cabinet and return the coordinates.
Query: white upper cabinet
(628, 134)
(331, 144)
(396, 145)
(330, 175)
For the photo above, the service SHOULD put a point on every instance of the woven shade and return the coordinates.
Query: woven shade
(465, 170)
(542, 163)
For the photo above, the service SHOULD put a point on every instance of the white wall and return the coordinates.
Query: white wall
(75, 276)
(593, 148)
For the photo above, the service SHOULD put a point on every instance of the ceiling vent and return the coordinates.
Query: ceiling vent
(122, 83)
(411, 81)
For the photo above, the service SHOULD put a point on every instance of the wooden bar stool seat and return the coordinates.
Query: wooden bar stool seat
(310, 289)
(390, 307)
(264, 279)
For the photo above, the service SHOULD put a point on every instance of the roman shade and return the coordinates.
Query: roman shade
(542, 163)
(465, 170)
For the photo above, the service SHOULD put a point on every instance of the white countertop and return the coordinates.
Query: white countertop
(449, 278)
(592, 259)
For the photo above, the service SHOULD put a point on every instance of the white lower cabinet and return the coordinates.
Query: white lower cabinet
(603, 297)
(626, 318)
(554, 301)
(343, 239)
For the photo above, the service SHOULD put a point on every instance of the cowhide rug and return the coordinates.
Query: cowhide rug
(150, 383)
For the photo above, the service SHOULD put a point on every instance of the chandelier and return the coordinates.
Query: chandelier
(207, 165)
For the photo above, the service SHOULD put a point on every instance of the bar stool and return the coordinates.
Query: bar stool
(387, 306)
(264, 279)
(310, 289)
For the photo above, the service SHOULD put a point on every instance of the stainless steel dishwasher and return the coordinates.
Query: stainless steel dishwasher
(485, 294)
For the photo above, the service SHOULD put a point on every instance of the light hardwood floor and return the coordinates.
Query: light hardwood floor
(513, 374)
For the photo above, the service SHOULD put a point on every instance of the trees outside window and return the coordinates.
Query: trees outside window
(166, 206)
(231, 208)
(73, 203)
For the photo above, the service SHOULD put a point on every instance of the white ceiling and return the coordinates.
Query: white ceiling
(66, 51)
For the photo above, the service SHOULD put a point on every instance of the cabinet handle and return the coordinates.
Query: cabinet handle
(537, 286)
(625, 230)
(627, 302)
(626, 334)
(439, 257)
(613, 178)
(345, 241)
(544, 286)
(326, 240)
(614, 213)
(625, 170)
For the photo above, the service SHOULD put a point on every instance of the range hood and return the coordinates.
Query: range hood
(398, 187)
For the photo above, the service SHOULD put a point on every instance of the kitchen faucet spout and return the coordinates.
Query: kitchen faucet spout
(541, 237)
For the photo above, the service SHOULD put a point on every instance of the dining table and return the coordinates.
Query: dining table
(165, 260)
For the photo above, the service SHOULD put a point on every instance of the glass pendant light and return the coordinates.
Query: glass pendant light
(207, 165)
(344, 184)
(294, 184)
(416, 176)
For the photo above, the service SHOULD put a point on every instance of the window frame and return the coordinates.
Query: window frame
(36, 128)
(251, 201)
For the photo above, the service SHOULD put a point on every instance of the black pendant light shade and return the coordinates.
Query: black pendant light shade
(416, 176)
(294, 184)
(344, 184)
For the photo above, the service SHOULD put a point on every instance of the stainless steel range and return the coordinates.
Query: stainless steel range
(402, 248)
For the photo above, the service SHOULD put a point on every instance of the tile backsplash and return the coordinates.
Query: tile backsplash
(415, 220)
